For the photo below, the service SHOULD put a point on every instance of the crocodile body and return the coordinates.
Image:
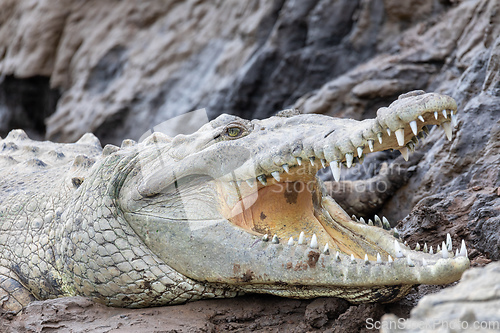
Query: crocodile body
(233, 208)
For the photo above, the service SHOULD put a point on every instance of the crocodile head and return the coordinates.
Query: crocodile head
(239, 203)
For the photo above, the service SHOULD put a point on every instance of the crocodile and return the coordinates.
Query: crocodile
(236, 207)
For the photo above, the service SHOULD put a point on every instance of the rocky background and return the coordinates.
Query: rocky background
(119, 68)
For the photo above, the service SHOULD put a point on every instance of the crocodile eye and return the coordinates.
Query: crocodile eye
(233, 131)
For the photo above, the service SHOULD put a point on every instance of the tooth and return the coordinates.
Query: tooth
(379, 259)
(238, 182)
(314, 242)
(379, 137)
(425, 248)
(404, 152)
(444, 251)
(444, 114)
(414, 128)
(417, 247)
(275, 240)
(454, 120)
(301, 238)
(366, 259)
(290, 241)
(250, 182)
(370, 145)
(431, 251)
(386, 224)
(286, 168)
(409, 261)
(400, 136)
(456, 252)
(438, 249)
(395, 233)
(265, 238)
(377, 219)
(370, 222)
(406, 243)
(299, 161)
(348, 159)
(335, 168)
(323, 162)
(389, 259)
(436, 115)
(276, 175)
(352, 259)
(424, 262)
(421, 119)
(354, 218)
(311, 159)
(448, 130)
(426, 130)
(326, 250)
(463, 250)
(337, 256)
(360, 152)
(449, 244)
(397, 249)
(262, 180)
(362, 220)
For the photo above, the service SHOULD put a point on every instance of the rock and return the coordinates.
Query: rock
(470, 306)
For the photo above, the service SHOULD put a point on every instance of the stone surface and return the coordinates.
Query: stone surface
(473, 305)
(123, 67)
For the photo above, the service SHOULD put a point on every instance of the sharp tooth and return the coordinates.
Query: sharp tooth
(366, 259)
(276, 175)
(379, 259)
(449, 244)
(299, 161)
(448, 130)
(425, 248)
(400, 136)
(323, 162)
(404, 152)
(326, 250)
(456, 252)
(352, 259)
(348, 159)
(444, 114)
(386, 224)
(414, 128)
(463, 249)
(377, 219)
(337, 256)
(421, 119)
(389, 132)
(370, 145)
(360, 152)
(262, 180)
(395, 233)
(409, 261)
(335, 168)
(426, 130)
(250, 182)
(370, 222)
(431, 251)
(286, 168)
(454, 120)
(301, 238)
(314, 242)
(362, 220)
(275, 240)
(424, 262)
(397, 249)
(444, 252)
(379, 137)
(265, 238)
(311, 159)
(417, 247)
(354, 218)
(389, 259)
(438, 249)
(290, 241)
(436, 115)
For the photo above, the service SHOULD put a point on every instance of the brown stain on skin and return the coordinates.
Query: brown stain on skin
(291, 193)
(312, 259)
(248, 276)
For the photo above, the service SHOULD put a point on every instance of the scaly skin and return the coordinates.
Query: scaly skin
(213, 214)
